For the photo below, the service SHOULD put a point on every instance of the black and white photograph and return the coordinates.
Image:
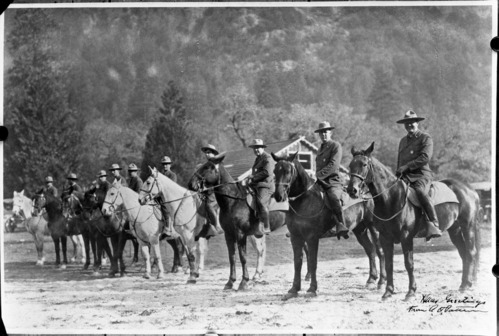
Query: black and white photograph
(249, 168)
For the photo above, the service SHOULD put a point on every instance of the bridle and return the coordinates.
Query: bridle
(365, 181)
(71, 211)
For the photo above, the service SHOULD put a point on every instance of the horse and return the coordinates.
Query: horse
(237, 219)
(71, 210)
(309, 219)
(56, 223)
(399, 221)
(183, 204)
(143, 223)
(36, 225)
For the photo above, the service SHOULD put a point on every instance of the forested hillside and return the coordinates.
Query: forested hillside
(88, 87)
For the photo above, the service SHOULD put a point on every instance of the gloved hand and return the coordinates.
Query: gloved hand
(402, 170)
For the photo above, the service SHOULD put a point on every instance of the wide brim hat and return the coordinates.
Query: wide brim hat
(49, 179)
(409, 117)
(132, 167)
(102, 173)
(114, 166)
(166, 159)
(257, 143)
(72, 176)
(324, 126)
(209, 148)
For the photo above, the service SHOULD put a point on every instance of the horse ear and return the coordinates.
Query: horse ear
(277, 157)
(369, 150)
(292, 157)
(353, 150)
(22, 192)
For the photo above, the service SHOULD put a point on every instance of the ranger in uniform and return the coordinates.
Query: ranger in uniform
(210, 201)
(49, 188)
(167, 164)
(72, 185)
(134, 182)
(414, 154)
(168, 223)
(115, 171)
(262, 181)
(328, 176)
(103, 183)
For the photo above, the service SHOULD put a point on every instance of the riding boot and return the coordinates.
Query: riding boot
(212, 216)
(339, 229)
(432, 226)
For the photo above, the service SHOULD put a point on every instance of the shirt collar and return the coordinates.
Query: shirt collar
(414, 135)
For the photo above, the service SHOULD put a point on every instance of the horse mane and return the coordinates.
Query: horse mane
(224, 174)
(301, 170)
(385, 172)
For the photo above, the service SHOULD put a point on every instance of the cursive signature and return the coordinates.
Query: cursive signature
(448, 304)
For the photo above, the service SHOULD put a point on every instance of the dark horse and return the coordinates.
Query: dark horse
(56, 223)
(309, 218)
(399, 221)
(237, 219)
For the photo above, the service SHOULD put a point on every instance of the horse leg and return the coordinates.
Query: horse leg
(64, 241)
(308, 276)
(38, 238)
(365, 241)
(261, 248)
(313, 248)
(176, 256)
(191, 250)
(470, 258)
(157, 254)
(202, 249)
(135, 244)
(231, 248)
(57, 248)
(381, 255)
(408, 249)
(297, 243)
(121, 247)
(387, 245)
(457, 238)
(82, 248)
(241, 246)
(86, 245)
(115, 241)
(147, 257)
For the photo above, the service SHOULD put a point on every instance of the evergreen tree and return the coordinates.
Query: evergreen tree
(45, 132)
(171, 136)
(384, 101)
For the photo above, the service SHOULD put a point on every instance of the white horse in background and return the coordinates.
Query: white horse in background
(36, 225)
(183, 206)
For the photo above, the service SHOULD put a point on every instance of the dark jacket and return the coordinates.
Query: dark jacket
(263, 172)
(327, 164)
(104, 186)
(171, 175)
(70, 188)
(415, 152)
(50, 190)
(135, 183)
(122, 181)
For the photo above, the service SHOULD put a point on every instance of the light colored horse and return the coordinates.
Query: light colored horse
(143, 223)
(183, 206)
(36, 225)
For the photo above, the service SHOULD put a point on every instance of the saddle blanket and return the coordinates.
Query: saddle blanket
(273, 206)
(439, 193)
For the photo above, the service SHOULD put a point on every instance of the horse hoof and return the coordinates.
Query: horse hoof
(243, 286)
(39, 263)
(228, 286)
(288, 296)
(311, 294)
(72, 260)
(63, 266)
(386, 296)
(409, 297)
(95, 273)
(147, 276)
(191, 281)
(104, 262)
(371, 285)
(175, 269)
(122, 274)
(111, 274)
(85, 266)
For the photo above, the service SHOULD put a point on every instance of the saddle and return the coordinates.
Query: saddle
(346, 200)
(439, 193)
(273, 205)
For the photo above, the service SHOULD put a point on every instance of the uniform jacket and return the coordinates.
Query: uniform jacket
(70, 188)
(135, 183)
(171, 175)
(327, 164)
(415, 152)
(104, 186)
(122, 181)
(50, 190)
(263, 172)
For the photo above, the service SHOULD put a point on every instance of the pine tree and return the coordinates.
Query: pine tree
(170, 136)
(45, 133)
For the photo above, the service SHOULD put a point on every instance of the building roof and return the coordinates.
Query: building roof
(481, 185)
(240, 161)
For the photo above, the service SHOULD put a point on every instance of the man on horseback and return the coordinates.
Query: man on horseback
(72, 185)
(414, 155)
(168, 225)
(103, 183)
(49, 188)
(328, 176)
(115, 171)
(209, 200)
(262, 182)
(135, 182)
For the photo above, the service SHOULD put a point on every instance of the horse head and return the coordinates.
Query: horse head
(150, 188)
(112, 200)
(285, 174)
(18, 204)
(207, 174)
(360, 170)
(71, 205)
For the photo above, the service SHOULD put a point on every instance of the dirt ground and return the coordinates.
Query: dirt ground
(45, 299)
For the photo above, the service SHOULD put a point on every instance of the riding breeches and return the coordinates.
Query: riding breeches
(422, 187)
(262, 198)
(334, 201)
